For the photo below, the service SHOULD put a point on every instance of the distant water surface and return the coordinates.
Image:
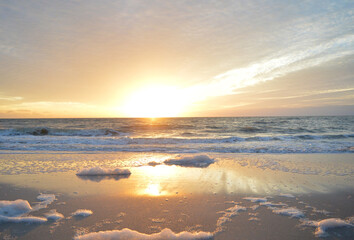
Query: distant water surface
(181, 135)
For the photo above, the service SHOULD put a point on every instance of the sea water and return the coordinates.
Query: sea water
(244, 179)
(332, 134)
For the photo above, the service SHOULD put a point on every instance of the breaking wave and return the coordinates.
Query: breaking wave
(41, 131)
(191, 135)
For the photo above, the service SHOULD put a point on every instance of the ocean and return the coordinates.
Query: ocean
(177, 178)
(328, 134)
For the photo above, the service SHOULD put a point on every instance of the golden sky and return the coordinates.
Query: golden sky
(175, 58)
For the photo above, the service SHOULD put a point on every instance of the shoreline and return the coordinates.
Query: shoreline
(227, 198)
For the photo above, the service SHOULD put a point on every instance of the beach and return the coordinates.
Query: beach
(234, 196)
(176, 120)
(177, 178)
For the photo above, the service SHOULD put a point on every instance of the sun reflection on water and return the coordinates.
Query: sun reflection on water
(260, 175)
(154, 189)
(158, 180)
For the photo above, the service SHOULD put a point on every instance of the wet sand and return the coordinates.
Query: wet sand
(182, 198)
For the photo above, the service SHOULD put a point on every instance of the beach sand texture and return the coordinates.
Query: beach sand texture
(214, 196)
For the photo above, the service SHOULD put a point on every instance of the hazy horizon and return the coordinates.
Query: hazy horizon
(254, 116)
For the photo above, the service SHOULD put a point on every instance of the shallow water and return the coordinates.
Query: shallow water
(231, 173)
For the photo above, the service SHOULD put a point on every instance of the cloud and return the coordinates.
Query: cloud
(8, 50)
(269, 69)
(312, 93)
(7, 98)
(103, 50)
(55, 109)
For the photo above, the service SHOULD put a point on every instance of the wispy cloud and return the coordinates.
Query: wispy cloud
(312, 93)
(272, 68)
(335, 90)
(8, 50)
(55, 109)
(7, 98)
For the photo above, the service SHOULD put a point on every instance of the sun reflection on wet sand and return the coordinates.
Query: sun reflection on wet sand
(158, 179)
(229, 175)
(153, 189)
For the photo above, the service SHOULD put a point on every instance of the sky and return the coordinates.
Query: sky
(186, 58)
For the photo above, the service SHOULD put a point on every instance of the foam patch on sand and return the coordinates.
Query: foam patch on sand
(272, 205)
(53, 215)
(286, 195)
(291, 212)
(321, 226)
(255, 200)
(45, 199)
(131, 234)
(99, 178)
(326, 224)
(254, 207)
(227, 215)
(14, 208)
(98, 171)
(82, 213)
(22, 219)
(153, 163)
(16, 211)
(200, 161)
(324, 212)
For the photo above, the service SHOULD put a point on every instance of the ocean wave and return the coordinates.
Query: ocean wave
(251, 129)
(42, 131)
(155, 127)
(248, 133)
(185, 137)
(265, 144)
(279, 149)
(244, 135)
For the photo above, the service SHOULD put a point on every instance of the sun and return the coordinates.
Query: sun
(155, 102)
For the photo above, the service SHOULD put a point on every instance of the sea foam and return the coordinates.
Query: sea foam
(98, 171)
(82, 213)
(326, 224)
(22, 219)
(227, 215)
(255, 200)
(14, 208)
(45, 200)
(53, 215)
(200, 161)
(131, 234)
(16, 211)
(291, 212)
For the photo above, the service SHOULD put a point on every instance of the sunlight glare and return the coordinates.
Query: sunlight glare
(153, 190)
(155, 102)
